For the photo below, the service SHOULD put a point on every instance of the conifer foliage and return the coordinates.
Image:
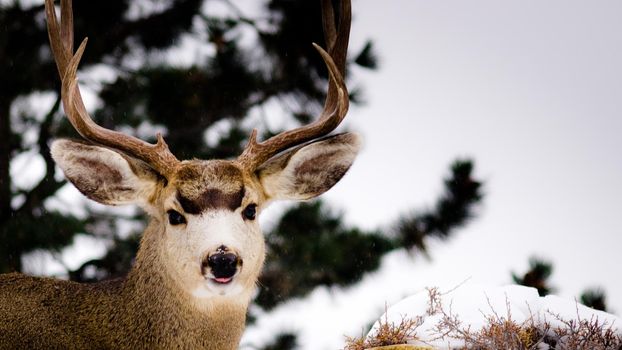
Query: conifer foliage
(538, 275)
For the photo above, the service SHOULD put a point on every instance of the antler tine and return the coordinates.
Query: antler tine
(337, 44)
(336, 104)
(158, 156)
(66, 30)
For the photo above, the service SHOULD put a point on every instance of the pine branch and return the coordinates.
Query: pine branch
(537, 276)
(48, 185)
(453, 210)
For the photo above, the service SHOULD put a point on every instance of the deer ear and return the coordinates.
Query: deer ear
(103, 175)
(309, 170)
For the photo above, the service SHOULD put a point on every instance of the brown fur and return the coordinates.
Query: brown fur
(196, 176)
(44, 313)
(101, 169)
(212, 198)
(93, 186)
(307, 182)
(215, 184)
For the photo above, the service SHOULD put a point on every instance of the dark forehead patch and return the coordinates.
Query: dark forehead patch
(211, 184)
(212, 199)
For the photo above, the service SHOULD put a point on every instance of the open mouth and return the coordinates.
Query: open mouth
(222, 280)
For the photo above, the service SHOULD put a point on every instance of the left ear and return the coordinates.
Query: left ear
(309, 170)
(104, 175)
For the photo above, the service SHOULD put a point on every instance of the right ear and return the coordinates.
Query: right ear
(103, 175)
(309, 170)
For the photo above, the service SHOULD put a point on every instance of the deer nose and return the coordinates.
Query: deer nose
(223, 265)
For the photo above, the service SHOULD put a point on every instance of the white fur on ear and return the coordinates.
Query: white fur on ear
(309, 170)
(104, 175)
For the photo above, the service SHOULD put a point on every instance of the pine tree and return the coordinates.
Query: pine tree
(540, 270)
(537, 276)
(26, 67)
(594, 298)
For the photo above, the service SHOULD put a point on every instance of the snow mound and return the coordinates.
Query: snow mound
(474, 312)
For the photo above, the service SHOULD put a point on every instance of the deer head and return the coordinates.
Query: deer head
(207, 239)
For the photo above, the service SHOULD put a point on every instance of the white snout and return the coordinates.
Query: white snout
(214, 230)
(221, 232)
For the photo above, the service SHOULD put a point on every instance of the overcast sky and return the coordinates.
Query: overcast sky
(532, 91)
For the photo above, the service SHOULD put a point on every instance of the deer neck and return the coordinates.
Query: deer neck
(169, 315)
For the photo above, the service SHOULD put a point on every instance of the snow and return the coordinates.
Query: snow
(27, 169)
(474, 304)
(85, 248)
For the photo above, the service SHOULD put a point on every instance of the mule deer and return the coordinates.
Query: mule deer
(202, 251)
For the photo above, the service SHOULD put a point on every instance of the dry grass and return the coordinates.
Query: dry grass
(501, 332)
(387, 334)
(587, 334)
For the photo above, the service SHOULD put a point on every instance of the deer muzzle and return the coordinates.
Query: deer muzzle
(221, 266)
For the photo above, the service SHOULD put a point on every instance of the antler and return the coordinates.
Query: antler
(158, 156)
(336, 104)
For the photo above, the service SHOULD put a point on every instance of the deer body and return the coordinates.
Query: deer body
(135, 312)
(202, 252)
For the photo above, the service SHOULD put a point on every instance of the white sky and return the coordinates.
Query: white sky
(532, 91)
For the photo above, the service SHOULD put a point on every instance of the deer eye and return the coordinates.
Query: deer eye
(175, 218)
(249, 212)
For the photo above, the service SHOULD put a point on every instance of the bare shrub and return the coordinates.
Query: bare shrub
(387, 333)
(499, 332)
